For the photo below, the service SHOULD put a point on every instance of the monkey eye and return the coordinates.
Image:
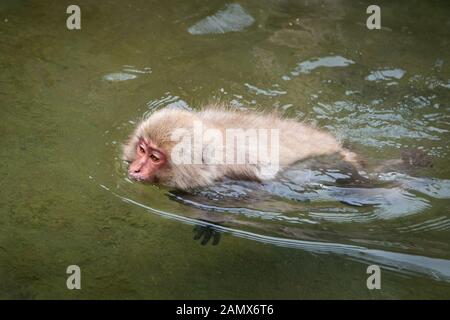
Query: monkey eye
(154, 158)
(141, 149)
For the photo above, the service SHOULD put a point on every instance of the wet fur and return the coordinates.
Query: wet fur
(297, 141)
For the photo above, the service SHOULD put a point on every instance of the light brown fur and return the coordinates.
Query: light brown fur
(297, 141)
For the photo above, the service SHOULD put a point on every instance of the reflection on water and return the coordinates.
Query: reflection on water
(329, 62)
(376, 125)
(302, 198)
(399, 262)
(128, 73)
(232, 18)
(386, 75)
(319, 193)
(167, 101)
(266, 92)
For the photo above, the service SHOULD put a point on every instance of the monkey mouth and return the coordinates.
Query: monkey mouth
(141, 179)
(136, 177)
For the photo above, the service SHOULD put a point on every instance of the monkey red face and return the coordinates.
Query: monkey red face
(148, 161)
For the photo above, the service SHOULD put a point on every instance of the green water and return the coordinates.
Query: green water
(65, 198)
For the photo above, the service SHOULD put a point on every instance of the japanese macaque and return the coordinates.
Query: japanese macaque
(186, 149)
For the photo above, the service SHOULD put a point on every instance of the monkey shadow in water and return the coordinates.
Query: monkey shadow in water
(315, 191)
(224, 203)
(206, 233)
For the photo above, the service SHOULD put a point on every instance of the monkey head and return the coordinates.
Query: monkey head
(148, 160)
(148, 149)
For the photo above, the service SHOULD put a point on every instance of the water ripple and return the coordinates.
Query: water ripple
(436, 268)
(128, 73)
(437, 224)
(307, 66)
(166, 101)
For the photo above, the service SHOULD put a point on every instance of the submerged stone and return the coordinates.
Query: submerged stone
(232, 18)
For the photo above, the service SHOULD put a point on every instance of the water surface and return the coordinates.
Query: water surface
(69, 98)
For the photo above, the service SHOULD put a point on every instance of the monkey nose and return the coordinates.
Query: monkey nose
(134, 172)
(134, 169)
(134, 175)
